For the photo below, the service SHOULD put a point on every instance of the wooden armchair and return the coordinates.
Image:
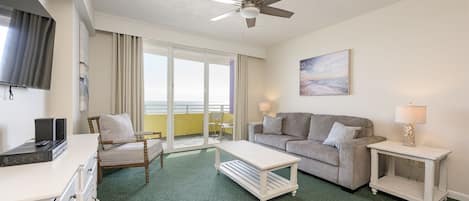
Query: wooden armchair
(138, 150)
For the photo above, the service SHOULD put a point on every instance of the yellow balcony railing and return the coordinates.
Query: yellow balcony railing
(188, 120)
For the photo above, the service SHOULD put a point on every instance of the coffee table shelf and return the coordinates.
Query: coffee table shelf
(253, 169)
(248, 177)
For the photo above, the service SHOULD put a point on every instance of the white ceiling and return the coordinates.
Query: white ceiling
(194, 16)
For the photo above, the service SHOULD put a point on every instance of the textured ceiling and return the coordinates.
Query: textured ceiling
(194, 16)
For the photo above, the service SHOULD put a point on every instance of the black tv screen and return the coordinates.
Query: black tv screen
(27, 35)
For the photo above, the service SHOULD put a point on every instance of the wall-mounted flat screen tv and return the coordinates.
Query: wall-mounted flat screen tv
(27, 33)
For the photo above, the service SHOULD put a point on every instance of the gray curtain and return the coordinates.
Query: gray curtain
(28, 50)
(127, 83)
(241, 98)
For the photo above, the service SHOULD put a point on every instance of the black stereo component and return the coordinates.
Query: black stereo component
(30, 153)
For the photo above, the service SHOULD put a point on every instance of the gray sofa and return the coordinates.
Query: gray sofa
(303, 134)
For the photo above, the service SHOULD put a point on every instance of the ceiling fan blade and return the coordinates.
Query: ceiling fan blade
(268, 2)
(224, 15)
(251, 22)
(276, 12)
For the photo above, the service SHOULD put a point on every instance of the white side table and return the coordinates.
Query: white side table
(405, 188)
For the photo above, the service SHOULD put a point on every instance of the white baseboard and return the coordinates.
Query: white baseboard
(458, 196)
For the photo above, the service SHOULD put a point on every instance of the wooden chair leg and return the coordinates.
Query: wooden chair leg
(161, 159)
(145, 159)
(147, 174)
(100, 174)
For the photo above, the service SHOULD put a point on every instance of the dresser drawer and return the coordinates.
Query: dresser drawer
(89, 192)
(71, 192)
(88, 171)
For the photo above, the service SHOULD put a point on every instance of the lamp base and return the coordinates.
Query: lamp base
(409, 135)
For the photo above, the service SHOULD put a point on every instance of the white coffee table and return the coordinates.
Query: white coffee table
(253, 169)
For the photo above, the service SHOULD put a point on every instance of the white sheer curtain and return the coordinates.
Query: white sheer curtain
(127, 83)
(241, 98)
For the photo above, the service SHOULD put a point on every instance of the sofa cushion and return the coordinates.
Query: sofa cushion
(314, 150)
(272, 125)
(295, 124)
(321, 125)
(274, 140)
(340, 133)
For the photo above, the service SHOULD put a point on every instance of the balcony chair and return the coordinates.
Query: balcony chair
(121, 147)
(215, 120)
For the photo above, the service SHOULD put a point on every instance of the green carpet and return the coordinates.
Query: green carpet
(190, 176)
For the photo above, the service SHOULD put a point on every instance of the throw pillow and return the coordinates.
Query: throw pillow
(272, 125)
(340, 133)
(115, 127)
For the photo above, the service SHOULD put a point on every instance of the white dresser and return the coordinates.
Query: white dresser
(71, 177)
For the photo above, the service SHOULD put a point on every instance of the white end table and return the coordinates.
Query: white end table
(405, 188)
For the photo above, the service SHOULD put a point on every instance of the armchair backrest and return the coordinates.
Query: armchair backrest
(93, 121)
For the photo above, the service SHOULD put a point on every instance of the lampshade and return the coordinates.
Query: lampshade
(411, 114)
(265, 106)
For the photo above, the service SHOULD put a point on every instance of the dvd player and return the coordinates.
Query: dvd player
(31, 153)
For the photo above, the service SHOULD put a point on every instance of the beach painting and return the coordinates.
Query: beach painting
(325, 75)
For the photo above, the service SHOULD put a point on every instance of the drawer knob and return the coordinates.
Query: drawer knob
(73, 198)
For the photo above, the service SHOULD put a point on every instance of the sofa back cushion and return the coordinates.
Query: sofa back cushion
(321, 125)
(295, 124)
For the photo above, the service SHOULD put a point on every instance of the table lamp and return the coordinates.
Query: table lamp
(265, 107)
(410, 115)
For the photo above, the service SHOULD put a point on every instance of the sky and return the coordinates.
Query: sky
(3, 36)
(188, 80)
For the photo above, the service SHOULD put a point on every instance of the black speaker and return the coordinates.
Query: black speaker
(61, 129)
(51, 129)
(45, 129)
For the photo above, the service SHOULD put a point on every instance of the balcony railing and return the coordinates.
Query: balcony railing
(159, 108)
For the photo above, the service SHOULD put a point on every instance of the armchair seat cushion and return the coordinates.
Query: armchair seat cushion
(275, 140)
(129, 153)
(314, 150)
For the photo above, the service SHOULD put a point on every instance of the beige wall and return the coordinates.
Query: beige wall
(412, 51)
(17, 116)
(63, 99)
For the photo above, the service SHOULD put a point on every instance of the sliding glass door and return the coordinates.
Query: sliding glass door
(220, 102)
(156, 80)
(188, 96)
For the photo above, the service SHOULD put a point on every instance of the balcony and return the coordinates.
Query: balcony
(188, 123)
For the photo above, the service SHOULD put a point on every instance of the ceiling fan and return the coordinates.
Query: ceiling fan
(250, 9)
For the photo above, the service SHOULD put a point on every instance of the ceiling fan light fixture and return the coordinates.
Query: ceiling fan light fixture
(250, 12)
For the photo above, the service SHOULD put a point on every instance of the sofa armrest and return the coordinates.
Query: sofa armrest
(253, 128)
(355, 161)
